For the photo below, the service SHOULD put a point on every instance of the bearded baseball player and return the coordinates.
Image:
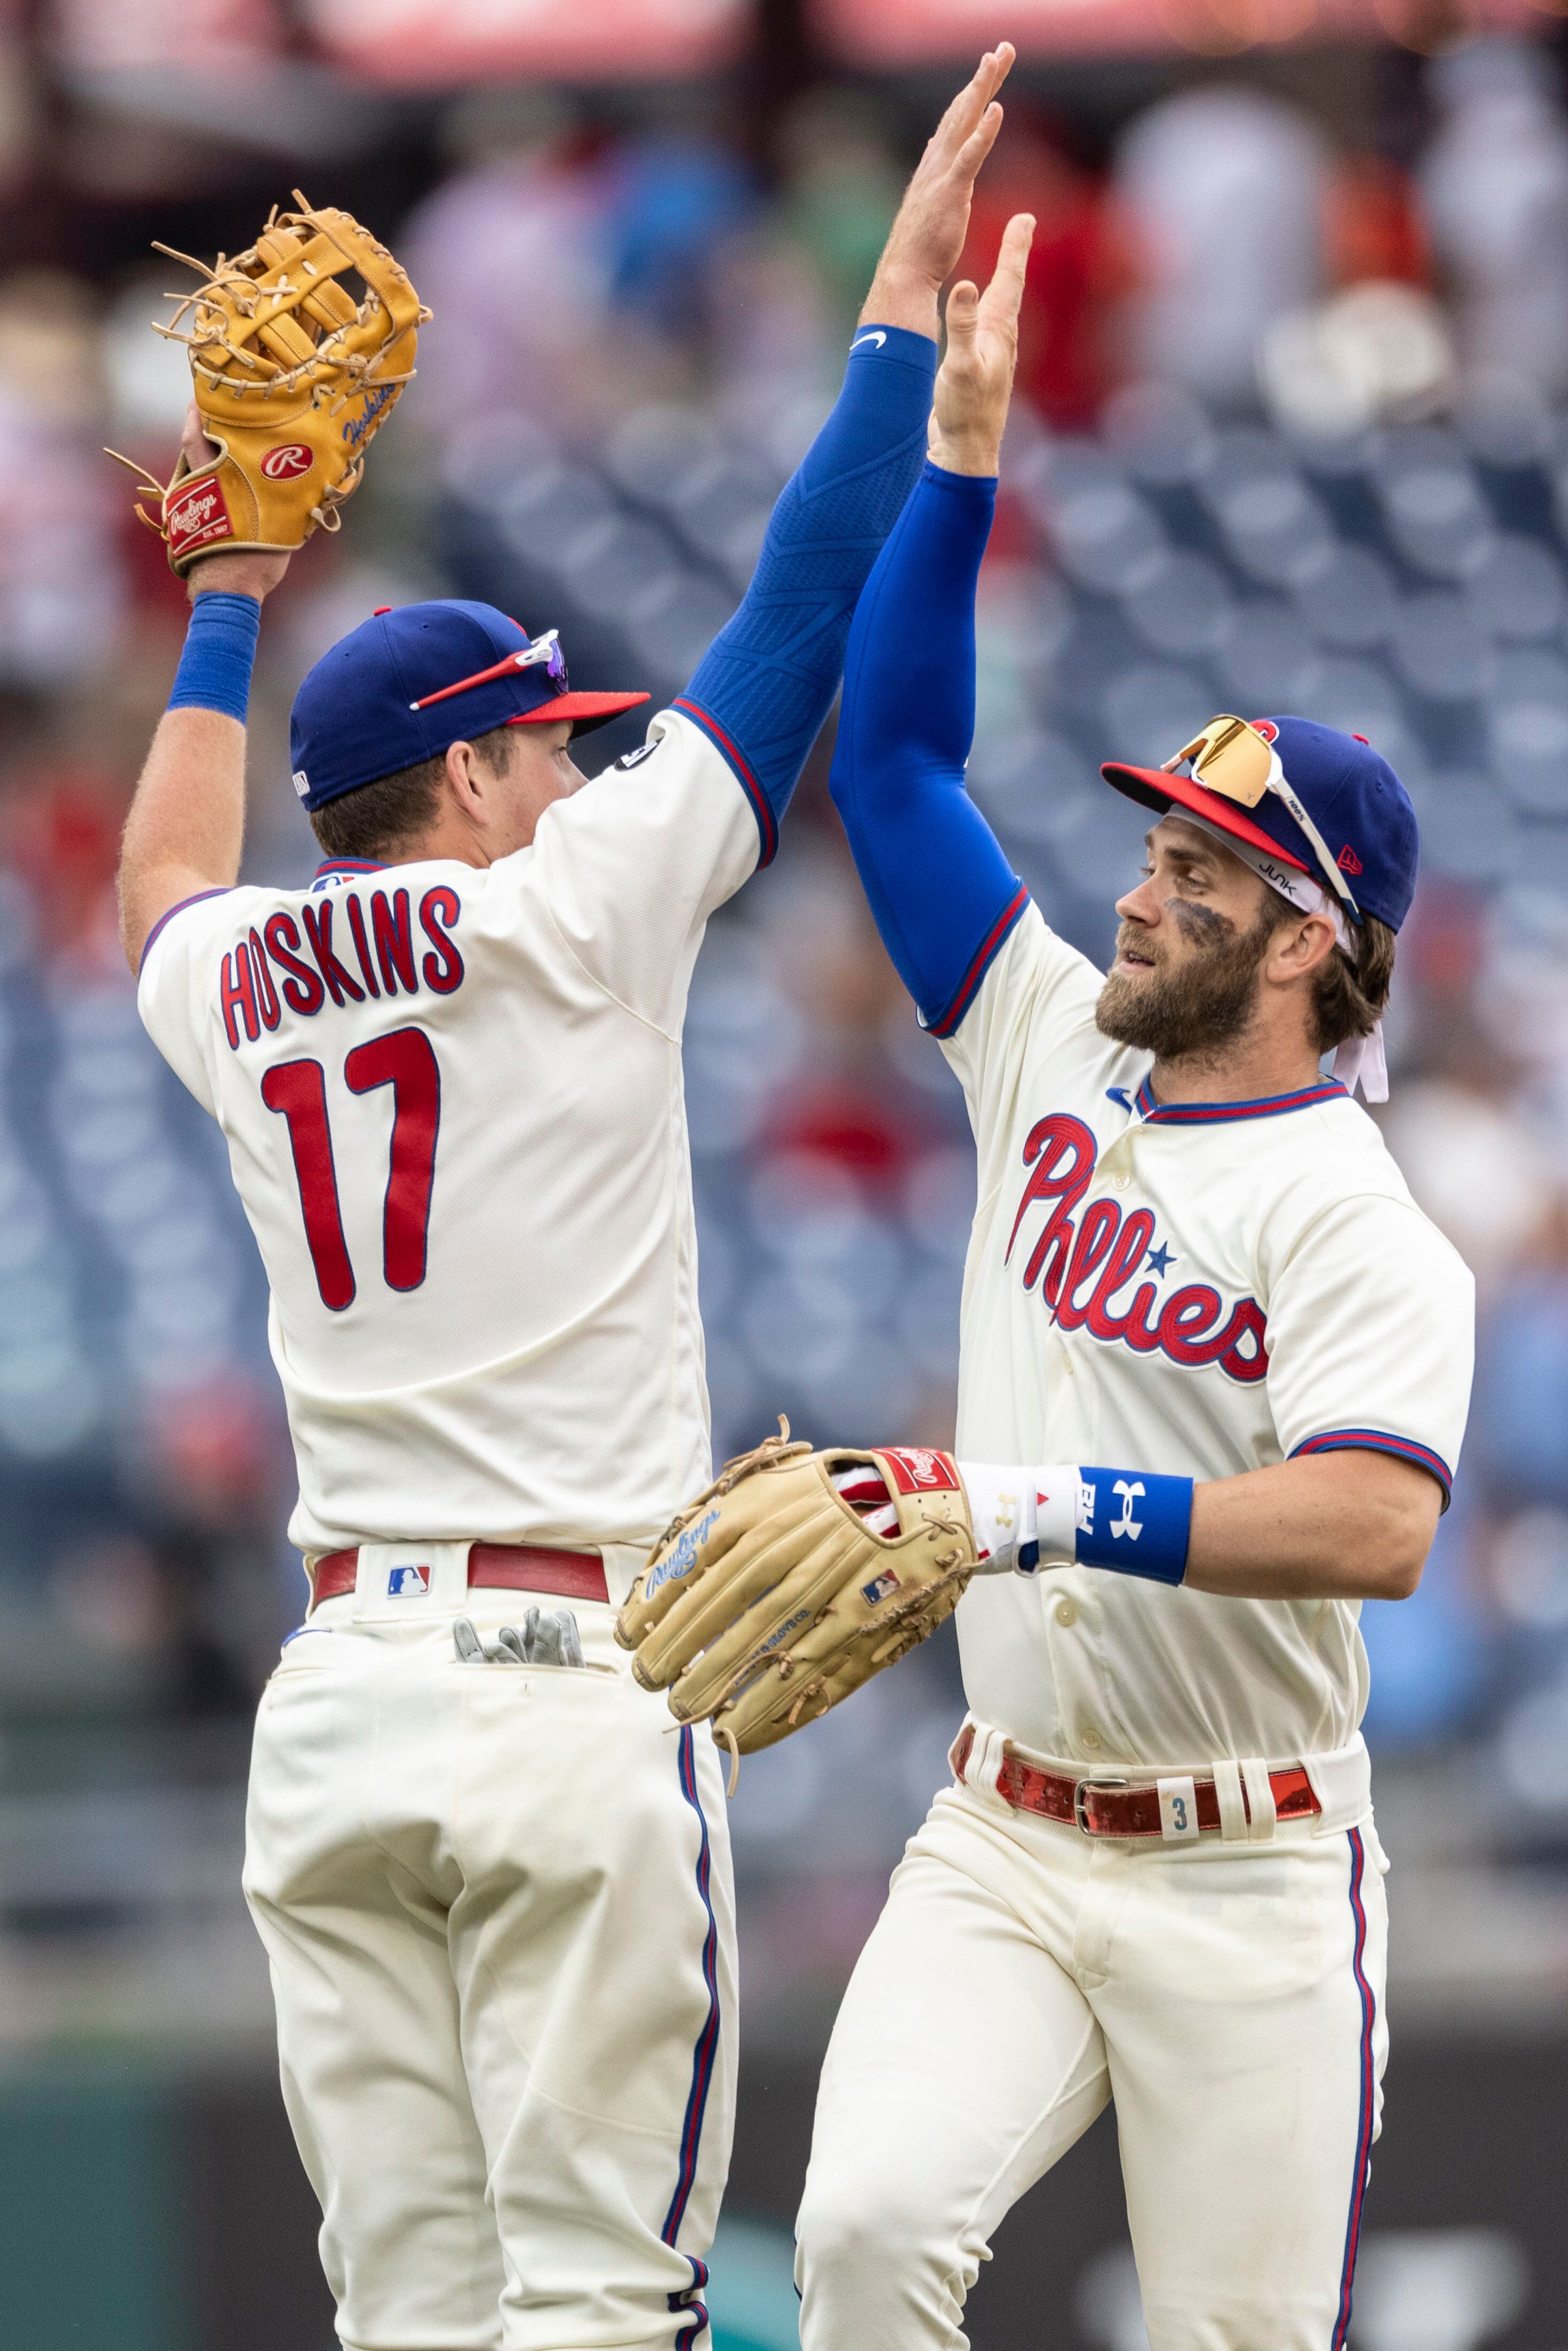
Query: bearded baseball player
(1215, 1372)
(492, 1879)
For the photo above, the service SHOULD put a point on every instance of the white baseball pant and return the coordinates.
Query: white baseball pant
(1227, 1996)
(497, 1904)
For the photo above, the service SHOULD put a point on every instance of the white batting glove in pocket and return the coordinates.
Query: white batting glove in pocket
(546, 1638)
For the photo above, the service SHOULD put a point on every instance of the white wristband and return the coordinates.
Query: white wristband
(1059, 1515)
(1024, 1518)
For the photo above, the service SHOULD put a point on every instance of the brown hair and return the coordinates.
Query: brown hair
(374, 819)
(1349, 997)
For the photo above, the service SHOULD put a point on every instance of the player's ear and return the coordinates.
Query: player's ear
(1299, 949)
(466, 777)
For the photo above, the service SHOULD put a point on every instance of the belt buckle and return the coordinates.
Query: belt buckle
(1080, 1804)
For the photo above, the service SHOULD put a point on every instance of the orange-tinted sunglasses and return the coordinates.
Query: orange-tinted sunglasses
(1230, 757)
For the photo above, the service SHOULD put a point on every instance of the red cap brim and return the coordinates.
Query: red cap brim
(1155, 787)
(582, 709)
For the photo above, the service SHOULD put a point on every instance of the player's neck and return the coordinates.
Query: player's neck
(448, 840)
(1254, 1068)
(435, 849)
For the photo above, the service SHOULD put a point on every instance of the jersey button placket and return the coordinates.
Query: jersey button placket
(1115, 1169)
(1066, 1615)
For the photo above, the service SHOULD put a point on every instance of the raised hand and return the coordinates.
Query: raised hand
(975, 380)
(927, 236)
(255, 573)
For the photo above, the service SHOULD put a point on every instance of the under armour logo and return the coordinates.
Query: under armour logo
(1127, 1524)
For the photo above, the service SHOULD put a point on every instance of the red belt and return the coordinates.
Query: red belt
(1106, 1810)
(505, 1567)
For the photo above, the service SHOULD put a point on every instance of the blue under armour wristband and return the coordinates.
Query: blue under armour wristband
(219, 655)
(1133, 1521)
(1130, 1520)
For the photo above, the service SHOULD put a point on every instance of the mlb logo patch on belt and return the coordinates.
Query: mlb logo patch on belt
(407, 1582)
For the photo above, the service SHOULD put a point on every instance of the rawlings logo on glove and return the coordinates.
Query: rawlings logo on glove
(794, 1578)
(292, 379)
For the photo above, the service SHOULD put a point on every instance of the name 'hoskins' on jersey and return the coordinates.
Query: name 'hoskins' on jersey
(396, 942)
(453, 1105)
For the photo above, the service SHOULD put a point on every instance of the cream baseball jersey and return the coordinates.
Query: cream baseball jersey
(453, 1103)
(1199, 1289)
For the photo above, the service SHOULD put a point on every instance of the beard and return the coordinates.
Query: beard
(1204, 1003)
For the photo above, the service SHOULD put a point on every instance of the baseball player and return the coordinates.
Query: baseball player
(1215, 1373)
(495, 1895)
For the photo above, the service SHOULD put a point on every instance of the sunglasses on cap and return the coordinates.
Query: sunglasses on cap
(546, 649)
(1230, 757)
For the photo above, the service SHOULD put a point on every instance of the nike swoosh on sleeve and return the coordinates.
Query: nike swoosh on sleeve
(876, 338)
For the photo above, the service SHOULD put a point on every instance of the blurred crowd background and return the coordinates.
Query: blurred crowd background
(1291, 434)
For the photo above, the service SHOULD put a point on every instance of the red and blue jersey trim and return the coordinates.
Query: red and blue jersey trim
(703, 2057)
(344, 868)
(1367, 2087)
(220, 891)
(1156, 1114)
(979, 963)
(1378, 1440)
(761, 808)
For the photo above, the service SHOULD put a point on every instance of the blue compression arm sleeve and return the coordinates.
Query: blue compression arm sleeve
(943, 896)
(768, 680)
(220, 653)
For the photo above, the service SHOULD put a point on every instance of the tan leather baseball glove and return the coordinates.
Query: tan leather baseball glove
(292, 379)
(771, 1596)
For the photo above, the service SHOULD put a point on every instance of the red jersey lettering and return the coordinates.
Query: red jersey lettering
(438, 910)
(236, 993)
(302, 990)
(341, 985)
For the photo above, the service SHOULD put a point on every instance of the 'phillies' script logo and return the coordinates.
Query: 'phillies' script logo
(282, 465)
(1087, 1266)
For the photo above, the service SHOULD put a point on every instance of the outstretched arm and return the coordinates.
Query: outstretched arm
(1352, 1525)
(765, 684)
(909, 678)
(186, 823)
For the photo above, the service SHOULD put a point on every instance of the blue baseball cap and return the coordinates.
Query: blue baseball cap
(409, 681)
(1357, 804)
